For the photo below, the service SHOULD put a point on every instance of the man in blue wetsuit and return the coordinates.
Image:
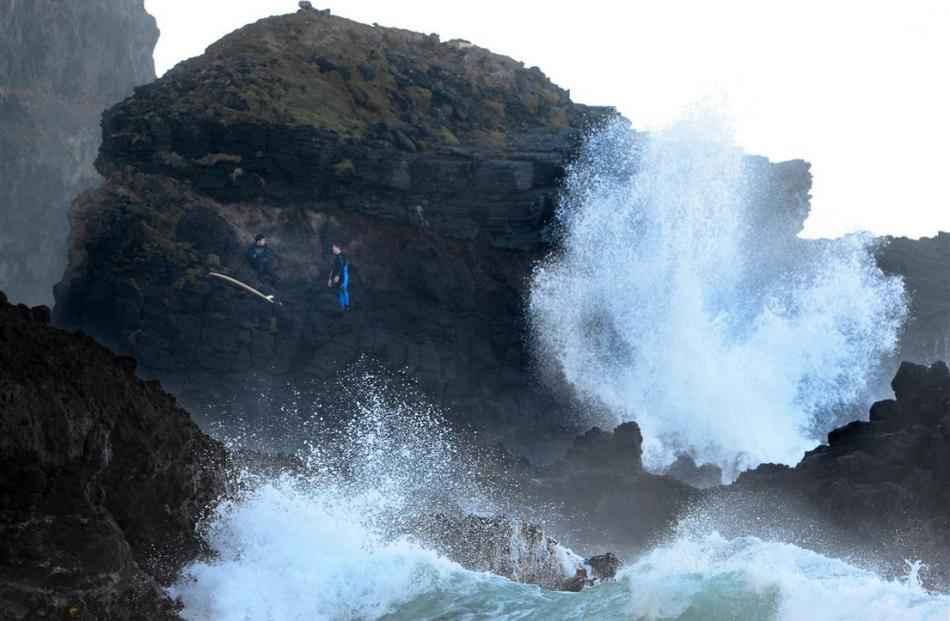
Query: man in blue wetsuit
(340, 276)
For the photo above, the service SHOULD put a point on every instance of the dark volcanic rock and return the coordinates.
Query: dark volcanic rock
(599, 496)
(102, 478)
(335, 115)
(925, 266)
(61, 65)
(685, 469)
(515, 550)
(446, 311)
(879, 488)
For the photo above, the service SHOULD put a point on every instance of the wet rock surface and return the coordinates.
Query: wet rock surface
(61, 65)
(102, 478)
(515, 550)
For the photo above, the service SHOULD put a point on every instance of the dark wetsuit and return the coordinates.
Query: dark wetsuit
(341, 269)
(259, 258)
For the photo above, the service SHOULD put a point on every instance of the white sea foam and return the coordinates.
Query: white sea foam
(288, 553)
(663, 304)
(326, 542)
(746, 578)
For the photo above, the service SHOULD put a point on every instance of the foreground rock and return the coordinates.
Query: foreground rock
(879, 490)
(61, 65)
(102, 478)
(515, 550)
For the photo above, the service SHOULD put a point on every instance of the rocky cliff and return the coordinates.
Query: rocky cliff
(61, 65)
(102, 478)
(437, 163)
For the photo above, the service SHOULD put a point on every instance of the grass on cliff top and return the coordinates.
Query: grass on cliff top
(343, 76)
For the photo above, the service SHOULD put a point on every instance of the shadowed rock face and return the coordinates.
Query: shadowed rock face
(597, 495)
(102, 478)
(880, 489)
(925, 265)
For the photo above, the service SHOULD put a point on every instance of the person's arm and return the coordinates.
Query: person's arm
(334, 271)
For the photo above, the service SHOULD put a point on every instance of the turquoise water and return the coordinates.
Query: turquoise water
(286, 552)
(709, 580)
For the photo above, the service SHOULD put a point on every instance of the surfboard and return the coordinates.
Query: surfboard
(245, 286)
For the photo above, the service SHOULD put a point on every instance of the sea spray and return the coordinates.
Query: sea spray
(292, 552)
(289, 553)
(711, 577)
(672, 301)
(323, 534)
(325, 540)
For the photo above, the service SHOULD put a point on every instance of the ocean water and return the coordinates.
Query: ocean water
(291, 553)
(328, 542)
(670, 303)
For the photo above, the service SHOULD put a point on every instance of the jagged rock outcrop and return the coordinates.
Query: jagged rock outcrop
(515, 550)
(878, 490)
(102, 478)
(684, 468)
(437, 163)
(597, 495)
(61, 65)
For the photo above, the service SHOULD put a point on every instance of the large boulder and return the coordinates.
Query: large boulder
(325, 113)
(103, 478)
(513, 549)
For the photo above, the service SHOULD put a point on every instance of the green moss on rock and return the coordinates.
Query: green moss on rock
(345, 77)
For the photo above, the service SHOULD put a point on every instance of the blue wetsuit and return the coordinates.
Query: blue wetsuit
(341, 268)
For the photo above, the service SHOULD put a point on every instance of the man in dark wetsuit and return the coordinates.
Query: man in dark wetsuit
(340, 277)
(258, 256)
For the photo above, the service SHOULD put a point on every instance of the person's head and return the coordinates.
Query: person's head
(260, 239)
(337, 248)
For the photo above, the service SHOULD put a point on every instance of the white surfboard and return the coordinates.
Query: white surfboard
(246, 287)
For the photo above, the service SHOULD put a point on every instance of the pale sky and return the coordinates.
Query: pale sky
(860, 89)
